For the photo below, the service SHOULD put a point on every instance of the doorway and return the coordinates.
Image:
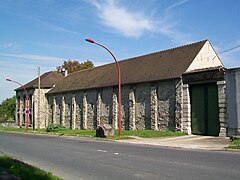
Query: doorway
(204, 109)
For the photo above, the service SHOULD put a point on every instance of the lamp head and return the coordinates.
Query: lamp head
(89, 40)
(8, 80)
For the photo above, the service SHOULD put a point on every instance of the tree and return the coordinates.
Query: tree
(73, 66)
(7, 108)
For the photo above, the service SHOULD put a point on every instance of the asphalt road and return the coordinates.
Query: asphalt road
(75, 158)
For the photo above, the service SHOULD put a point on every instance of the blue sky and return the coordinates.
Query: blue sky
(46, 32)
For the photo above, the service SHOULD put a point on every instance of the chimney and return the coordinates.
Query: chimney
(66, 73)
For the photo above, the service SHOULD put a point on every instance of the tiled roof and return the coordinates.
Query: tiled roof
(47, 80)
(160, 65)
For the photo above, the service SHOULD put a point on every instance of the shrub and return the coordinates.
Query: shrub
(7, 108)
(55, 127)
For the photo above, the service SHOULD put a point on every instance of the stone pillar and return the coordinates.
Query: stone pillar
(154, 108)
(186, 120)
(73, 114)
(115, 111)
(179, 104)
(21, 110)
(54, 109)
(46, 112)
(39, 117)
(99, 109)
(222, 104)
(132, 110)
(85, 111)
(42, 109)
(16, 112)
(63, 110)
(35, 112)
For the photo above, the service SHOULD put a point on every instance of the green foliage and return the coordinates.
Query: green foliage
(7, 108)
(24, 171)
(73, 66)
(55, 127)
(12, 129)
(235, 144)
(151, 133)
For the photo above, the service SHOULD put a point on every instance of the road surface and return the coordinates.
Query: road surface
(82, 158)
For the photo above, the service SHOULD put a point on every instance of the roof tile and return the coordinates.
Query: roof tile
(167, 64)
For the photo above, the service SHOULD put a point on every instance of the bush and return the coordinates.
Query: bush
(7, 108)
(55, 127)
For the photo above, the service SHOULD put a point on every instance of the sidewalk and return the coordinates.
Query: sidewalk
(187, 142)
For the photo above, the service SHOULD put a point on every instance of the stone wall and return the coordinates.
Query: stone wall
(166, 105)
(7, 124)
(222, 105)
(155, 105)
(186, 112)
(79, 110)
(20, 107)
(40, 118)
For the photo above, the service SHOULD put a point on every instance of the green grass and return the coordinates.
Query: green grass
(92, 133)
(235, 144)
(12, 129)
(24, 171)
(80, 133)
(67, 132)
(152, 133)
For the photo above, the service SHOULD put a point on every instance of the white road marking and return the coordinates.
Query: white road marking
(99, 150)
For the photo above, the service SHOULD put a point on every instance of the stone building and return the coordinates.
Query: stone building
(177, 89)
(36, 120)
(233, 101)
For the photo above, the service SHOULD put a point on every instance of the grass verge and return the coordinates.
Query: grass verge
(152, 133)
(235, 144)
(92, 133)
(24, 171)
(145, 134)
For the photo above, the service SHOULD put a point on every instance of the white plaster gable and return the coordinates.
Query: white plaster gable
(206, 58)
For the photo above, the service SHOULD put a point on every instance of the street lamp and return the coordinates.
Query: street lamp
(119, 86)
(26, 103)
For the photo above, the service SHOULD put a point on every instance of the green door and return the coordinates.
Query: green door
(213, 123)
(204, 108)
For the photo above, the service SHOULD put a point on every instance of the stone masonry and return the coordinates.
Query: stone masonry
(222, 103)
(186, 120)
(144, 106)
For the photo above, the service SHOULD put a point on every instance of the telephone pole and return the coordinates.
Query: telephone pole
(39, 98)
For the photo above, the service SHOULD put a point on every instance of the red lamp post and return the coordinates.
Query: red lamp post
(119, 86)
(26, 102)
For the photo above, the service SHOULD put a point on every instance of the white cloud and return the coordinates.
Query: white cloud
(50, 26)
(132, 24)
(178, 3)
(33, 57)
